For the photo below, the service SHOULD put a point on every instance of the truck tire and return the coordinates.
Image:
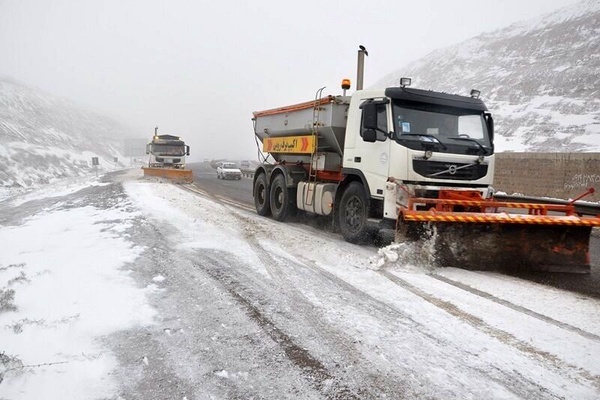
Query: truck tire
(261, 196)
(353, 213)
(283, 200)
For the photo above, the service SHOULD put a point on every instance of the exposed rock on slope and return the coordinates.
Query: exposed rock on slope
(43, 137)
(540, 78)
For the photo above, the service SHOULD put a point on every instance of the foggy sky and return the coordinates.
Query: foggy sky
(198, 69)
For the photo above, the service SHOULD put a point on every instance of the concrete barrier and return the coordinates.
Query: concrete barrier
(247, 173)
(556, 175)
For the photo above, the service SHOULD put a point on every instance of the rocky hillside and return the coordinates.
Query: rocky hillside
(43, 138)
(540, 78)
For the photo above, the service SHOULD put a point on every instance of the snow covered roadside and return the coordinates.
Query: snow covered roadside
(246, 307)
(57, 187)
(459, 334)
(63, 287)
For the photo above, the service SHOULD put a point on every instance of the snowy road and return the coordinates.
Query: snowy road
(174, 294)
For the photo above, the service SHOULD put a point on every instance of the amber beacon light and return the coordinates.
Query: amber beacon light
(346, 84)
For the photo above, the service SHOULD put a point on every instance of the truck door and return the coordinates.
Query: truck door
(374, 148)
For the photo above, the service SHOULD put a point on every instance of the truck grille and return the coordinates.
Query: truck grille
(470, 173)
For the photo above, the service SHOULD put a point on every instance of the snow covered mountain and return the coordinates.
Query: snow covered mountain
(43, 137)
(540, 78)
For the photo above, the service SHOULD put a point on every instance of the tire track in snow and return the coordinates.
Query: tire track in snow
(516, 383)
(278, 269)
(512, 306)
(519, 384)
(319, 375)
(320, 378)
(509, 339)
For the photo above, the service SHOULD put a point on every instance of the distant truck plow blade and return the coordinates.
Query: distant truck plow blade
(491, 235)
(175, 175)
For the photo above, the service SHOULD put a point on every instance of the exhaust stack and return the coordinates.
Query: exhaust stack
(360, 70)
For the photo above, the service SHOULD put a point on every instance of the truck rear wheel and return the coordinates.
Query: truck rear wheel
(261, 195)
(353, 213)
(283, 200)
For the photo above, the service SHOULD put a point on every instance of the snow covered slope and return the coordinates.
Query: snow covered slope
(43, 137)
(540, 78)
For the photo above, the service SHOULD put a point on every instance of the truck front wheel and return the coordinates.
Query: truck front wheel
(283, 200)
(353, 213)
(261, 195)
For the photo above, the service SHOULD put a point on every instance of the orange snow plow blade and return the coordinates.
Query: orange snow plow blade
(482, 234)
(173, 174)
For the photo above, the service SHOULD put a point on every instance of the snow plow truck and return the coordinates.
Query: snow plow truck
(167, 158)
(417, 161)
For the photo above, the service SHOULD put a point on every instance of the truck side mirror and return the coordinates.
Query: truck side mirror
(369, 115)
(369, 135)
(490, 125)
(187, 150)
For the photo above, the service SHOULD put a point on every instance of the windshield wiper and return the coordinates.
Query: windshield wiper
(433, 138)
(485, 150)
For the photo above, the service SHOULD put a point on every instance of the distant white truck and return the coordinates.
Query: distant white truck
(167, 158)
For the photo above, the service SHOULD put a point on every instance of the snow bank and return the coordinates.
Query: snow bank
(62, 288)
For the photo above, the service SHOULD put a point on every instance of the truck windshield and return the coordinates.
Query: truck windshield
(168, 150)
(445, 129)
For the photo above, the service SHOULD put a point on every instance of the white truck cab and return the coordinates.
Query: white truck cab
(360, 157)
(421, 139)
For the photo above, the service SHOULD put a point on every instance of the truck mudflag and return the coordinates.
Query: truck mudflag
(292, 144)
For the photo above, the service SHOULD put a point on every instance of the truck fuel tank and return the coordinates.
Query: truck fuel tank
(316, 197)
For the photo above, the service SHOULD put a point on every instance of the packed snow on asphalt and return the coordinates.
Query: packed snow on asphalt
(127, 288)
